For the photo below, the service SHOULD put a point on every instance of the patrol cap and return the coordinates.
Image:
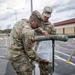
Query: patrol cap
(37, 17)
(47, 11)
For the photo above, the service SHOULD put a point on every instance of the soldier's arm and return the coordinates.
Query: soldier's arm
(51, 29)
(38, 30)
(41, 31)
(28, 44)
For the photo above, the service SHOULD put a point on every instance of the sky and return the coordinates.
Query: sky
(15, 10)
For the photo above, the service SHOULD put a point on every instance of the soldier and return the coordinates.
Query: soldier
(45, 29)
(20, 53)
(46, 26)
(47, 13)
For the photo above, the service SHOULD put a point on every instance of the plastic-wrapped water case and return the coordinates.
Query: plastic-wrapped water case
(44, 50)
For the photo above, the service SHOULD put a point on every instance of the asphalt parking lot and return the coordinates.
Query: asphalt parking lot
(62, 52)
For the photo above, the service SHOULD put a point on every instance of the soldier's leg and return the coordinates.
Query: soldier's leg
(50, 68)
(43, 69)
(23, 68)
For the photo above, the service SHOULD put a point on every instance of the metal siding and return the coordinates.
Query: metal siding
(59, 31)
(69, 30)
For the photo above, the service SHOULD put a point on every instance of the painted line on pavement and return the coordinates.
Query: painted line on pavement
(65, 60)
(3, 57)
(63, 53)
(3, 38)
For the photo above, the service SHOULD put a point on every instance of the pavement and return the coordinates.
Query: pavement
(62, 52)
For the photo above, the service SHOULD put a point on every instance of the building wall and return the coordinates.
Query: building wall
(69, 30)
(59, 31)
(65, 29)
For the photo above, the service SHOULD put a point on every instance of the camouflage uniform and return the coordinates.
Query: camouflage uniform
(20, 52)
(49, 27)
(51, 30)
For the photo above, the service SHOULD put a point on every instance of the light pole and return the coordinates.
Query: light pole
(15, 13)
(31, 6)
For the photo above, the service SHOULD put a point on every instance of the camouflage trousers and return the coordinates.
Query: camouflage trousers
(22, 66)
(45, 68)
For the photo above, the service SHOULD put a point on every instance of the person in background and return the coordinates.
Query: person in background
(46, 28)
(20, 52)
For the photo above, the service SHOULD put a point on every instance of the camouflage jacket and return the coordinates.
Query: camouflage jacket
(19, 42)
(49, 27)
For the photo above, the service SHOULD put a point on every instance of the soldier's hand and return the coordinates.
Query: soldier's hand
(39, 60)
(44, 32)
(43, 61)
(32, 38)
